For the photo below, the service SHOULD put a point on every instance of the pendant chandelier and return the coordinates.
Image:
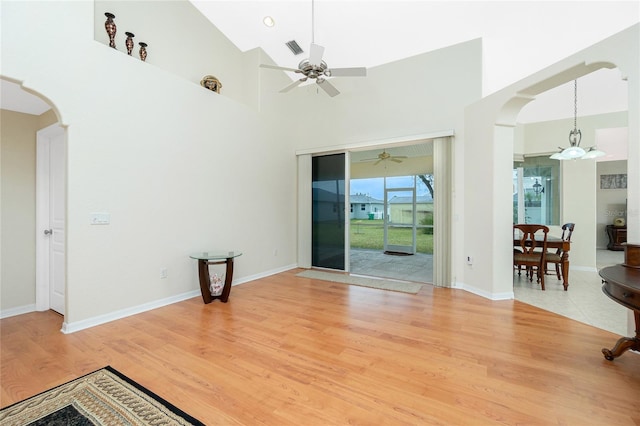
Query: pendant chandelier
(574, 151)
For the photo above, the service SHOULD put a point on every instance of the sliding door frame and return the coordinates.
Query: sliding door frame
(443, 213)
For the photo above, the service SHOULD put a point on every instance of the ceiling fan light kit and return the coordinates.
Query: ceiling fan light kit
(314, 67)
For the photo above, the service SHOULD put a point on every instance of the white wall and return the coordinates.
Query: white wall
(179, 168)
(180, 40)
(488, 156)
(17, 214)
(418, 95)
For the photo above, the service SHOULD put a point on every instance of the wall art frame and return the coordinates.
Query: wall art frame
(617, 181)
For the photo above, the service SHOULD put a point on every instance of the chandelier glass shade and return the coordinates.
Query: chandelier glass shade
(574, 151)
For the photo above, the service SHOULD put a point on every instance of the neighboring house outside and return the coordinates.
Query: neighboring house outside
(365, 207)
(326, 206)
(400, 209)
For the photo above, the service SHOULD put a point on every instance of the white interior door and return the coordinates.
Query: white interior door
(51, 219)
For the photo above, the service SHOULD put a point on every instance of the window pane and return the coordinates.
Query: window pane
(541, 191)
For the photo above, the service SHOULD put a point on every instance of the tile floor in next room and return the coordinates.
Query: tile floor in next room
(584, 301)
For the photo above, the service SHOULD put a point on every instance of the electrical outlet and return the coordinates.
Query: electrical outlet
(164, 273)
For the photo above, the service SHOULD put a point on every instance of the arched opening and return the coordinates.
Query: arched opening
(33, 261)
(538, 130)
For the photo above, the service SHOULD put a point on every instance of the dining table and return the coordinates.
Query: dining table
(554, 243)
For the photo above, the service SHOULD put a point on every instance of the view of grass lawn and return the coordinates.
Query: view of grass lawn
(369, 234)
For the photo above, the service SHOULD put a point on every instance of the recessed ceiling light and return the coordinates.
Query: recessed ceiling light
(268, 21)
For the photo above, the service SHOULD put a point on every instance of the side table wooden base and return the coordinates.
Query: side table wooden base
(215, 257)
(205, 280)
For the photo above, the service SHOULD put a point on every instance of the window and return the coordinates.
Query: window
(536, 191)
(363, 207)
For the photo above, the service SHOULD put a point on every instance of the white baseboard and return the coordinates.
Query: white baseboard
(102, 319)
(123, 313)
(508, 295)
(12, 312)
(264, 274)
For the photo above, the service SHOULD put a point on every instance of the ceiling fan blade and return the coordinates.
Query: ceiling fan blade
(348, 72)
(328, 87)
(275, 67)
(315, 54)
(377, 162)
(395, 160)
(293, 85)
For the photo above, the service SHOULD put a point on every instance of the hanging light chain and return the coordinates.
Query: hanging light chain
(575, 135)
(575, 104)
(313, 20)
(574, 151)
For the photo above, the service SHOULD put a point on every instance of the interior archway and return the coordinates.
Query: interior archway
(578, 205)
(25, 113)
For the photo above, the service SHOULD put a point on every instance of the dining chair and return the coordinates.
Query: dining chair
(556, 258)
(533, 250)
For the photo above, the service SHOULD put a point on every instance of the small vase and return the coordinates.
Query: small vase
(143, 51)
(129, 42)
(110, 26)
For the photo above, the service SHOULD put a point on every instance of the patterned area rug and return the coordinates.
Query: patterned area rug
(401, 286)
(104, 397)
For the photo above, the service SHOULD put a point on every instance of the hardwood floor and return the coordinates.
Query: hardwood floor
(290, 350)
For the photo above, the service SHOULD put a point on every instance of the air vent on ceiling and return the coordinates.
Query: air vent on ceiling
(294, 47)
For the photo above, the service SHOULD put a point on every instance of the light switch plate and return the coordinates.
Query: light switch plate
(100, 218)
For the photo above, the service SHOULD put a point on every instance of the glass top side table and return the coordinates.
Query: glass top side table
(215, 257)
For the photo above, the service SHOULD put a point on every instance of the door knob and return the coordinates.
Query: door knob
(48, 231)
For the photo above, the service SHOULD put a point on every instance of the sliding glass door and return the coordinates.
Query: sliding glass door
(328, 210)
(334, 235)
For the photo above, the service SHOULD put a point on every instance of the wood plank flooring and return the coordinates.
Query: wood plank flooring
(287, 350)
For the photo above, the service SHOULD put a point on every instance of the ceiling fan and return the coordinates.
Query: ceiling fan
(384, 156)
(315, 68)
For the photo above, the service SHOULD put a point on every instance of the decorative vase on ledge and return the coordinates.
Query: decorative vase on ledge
(129, 42)
(111, 28)
(143, 51)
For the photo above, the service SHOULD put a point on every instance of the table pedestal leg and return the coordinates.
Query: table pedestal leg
(227, 281)
(203, 272)
(625, 343)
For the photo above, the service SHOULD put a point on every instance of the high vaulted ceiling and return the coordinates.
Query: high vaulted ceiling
(519, 39)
